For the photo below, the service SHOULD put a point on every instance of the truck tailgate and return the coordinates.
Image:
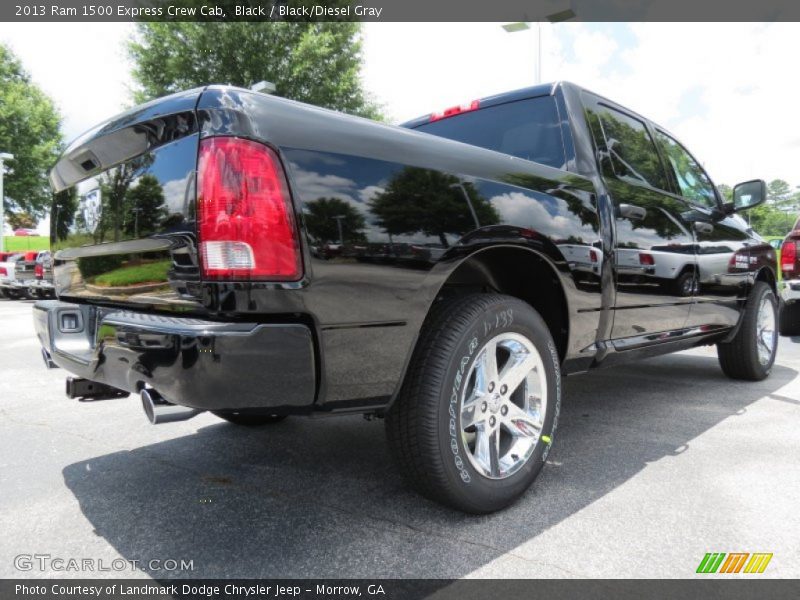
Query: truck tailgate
(132, 241)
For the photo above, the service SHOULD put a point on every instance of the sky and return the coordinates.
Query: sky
(727, 90)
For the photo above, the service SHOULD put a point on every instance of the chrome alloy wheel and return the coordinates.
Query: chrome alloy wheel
(765, 330)
(503, 405)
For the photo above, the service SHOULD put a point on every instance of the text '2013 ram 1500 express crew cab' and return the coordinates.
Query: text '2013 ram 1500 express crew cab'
(257, 257)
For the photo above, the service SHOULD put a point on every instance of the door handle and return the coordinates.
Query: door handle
(701, 227)
(631, 211)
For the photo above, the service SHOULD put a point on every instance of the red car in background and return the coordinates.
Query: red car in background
(789, 287)
(25, 232)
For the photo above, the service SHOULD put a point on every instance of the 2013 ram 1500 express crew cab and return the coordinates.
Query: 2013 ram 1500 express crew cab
(256, 258)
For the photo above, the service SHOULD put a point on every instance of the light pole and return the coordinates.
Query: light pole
(339, 219)
(136, 212)
(563, 13)
(4, 156)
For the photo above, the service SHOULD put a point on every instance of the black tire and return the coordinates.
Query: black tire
(13, 294)
(684, 285)
(790, 319)
(422, 425)
(739, 358)
(248, 419)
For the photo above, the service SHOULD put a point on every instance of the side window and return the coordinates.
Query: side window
(632, 151)
(528, 129)
(692, 180)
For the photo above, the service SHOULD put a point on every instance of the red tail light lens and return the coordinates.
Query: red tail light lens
(245, 219)
(646, 259)
(788, 255)
(3, 271)
(38, 271)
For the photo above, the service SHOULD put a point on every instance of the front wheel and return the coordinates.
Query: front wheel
(475, 420)
(751, 354)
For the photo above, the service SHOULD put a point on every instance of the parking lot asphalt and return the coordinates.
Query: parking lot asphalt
(654, 464)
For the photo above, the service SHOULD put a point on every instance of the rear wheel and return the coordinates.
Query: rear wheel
(684, 285)
(248, 419)
(751, 354)
(475, 419)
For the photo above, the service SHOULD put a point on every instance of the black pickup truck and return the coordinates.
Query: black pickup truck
(257, 258)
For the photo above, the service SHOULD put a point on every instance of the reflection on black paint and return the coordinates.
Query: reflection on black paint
(432, 203)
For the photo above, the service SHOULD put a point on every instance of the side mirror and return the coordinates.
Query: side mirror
(748, 194)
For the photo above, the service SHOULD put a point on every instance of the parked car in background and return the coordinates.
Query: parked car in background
(789, 286)
(41, 286)
(25, 232)
(489, 250)
(8, 279)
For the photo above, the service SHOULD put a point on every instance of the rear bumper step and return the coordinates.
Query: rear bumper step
(196, 363)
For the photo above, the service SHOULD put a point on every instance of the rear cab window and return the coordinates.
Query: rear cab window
(529, 129)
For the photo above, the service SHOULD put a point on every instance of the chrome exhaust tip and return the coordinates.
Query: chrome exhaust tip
(48, 361)
(158, 410)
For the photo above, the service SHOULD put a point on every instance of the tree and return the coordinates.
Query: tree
(769, 220)
(29, 129)
(65, 204)
(726, 192)
(21, 220)
(317, 62)
(322, 217)
(778, 191)
(433, 203)
(144, 207)
(114, 185)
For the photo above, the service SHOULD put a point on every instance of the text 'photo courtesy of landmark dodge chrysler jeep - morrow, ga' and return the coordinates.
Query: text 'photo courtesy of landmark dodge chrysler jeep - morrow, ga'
(256, 257)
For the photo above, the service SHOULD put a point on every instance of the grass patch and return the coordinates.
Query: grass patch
(25, 243)
(152, 272)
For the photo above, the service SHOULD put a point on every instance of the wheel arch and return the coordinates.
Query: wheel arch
(499, 269)
(766, 275)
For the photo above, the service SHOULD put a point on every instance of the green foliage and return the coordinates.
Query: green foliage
(96, 265)
(767, 220)
(434, 203)
(29, 129)
(321, 223)
(114, 190)
(25, 243)
(21, 220)
(778, 191)
(146, 272)
(318, 62)
(74, 240)
(144, 207)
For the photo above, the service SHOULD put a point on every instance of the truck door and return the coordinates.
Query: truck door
(655, 253)
(724, 259)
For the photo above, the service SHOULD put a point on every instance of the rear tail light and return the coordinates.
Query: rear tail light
(38, 271)
(788, 255)
(3, 271)
(593, 255)
(245, 220)
(455, 110)
(646, 259)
